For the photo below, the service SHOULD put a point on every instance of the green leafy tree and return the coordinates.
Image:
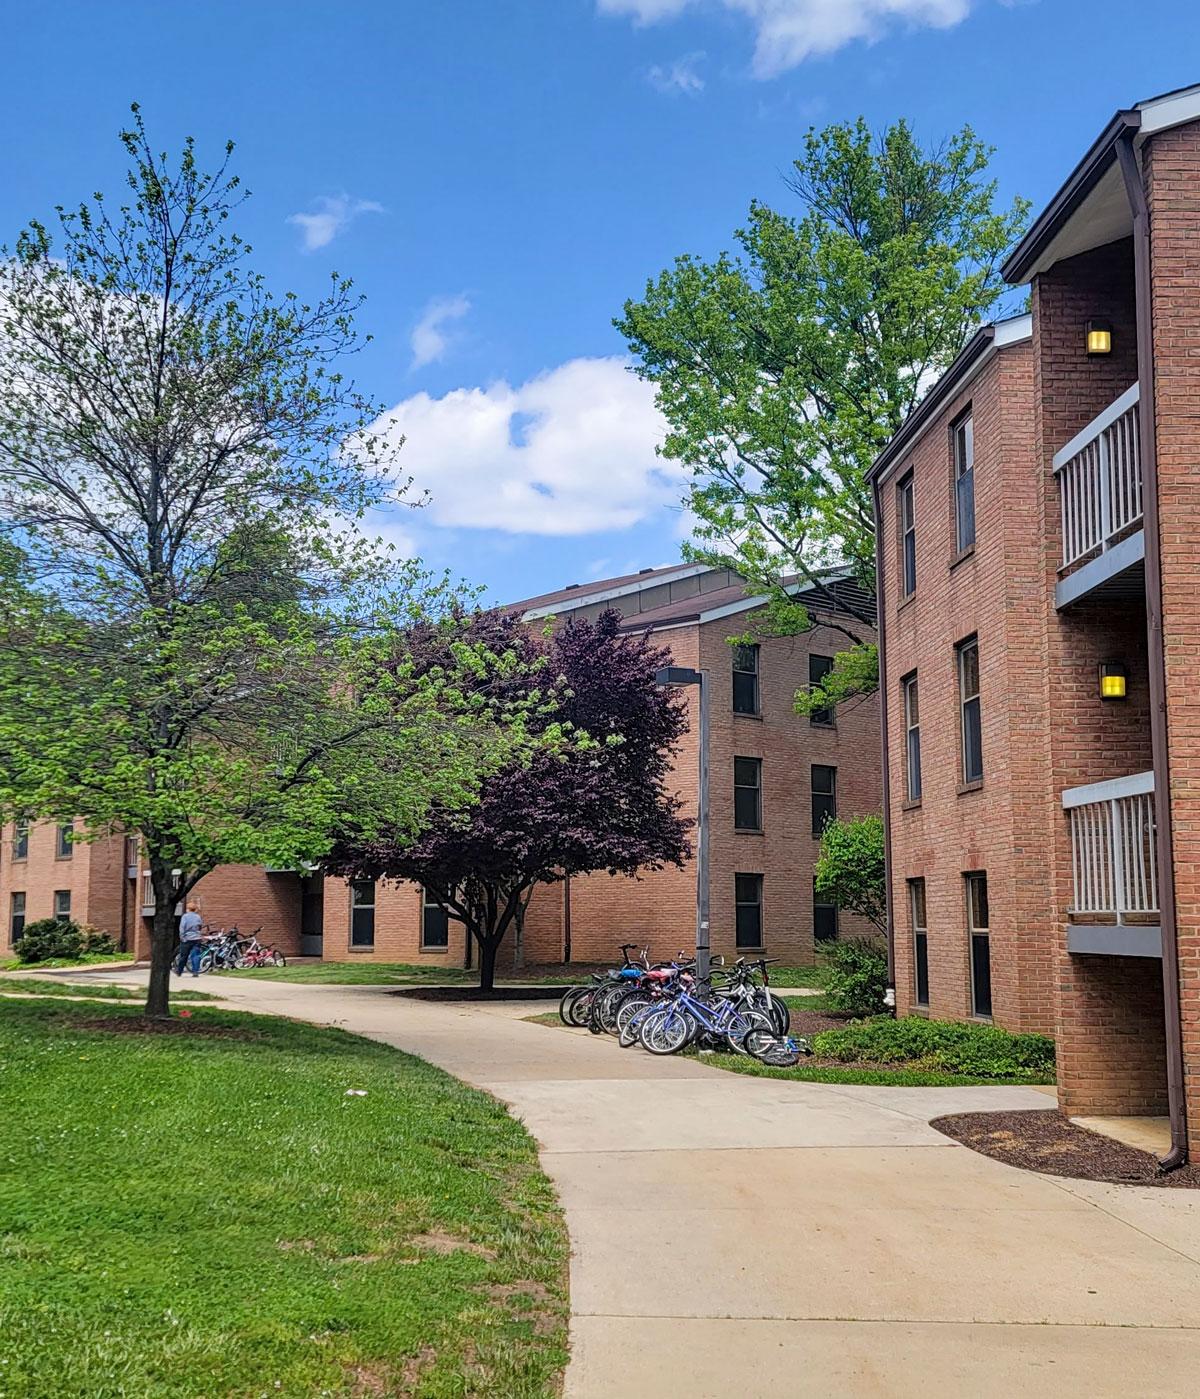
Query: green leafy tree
(785, 367)
(198, 645)
(850, 868)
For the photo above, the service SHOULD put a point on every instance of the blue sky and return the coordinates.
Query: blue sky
(499, 175)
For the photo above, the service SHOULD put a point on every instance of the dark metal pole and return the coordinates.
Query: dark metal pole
(703, 960)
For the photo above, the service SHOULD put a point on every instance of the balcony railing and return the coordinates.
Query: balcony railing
(1113, 847)
(1100, 480)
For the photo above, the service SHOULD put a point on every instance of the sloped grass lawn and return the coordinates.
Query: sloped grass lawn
(204, 1211)
(87, 990)
(384, 974)
(88, 959)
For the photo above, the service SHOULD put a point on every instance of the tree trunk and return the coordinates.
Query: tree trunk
(162, 939)
(488, 947)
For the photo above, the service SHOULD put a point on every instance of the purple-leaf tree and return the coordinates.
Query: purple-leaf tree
(570, 810)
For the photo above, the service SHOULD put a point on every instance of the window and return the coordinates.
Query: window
(362, 913)
(745, 680)
(148, 900)
(970, 720)
(435, 923)
(908, 536)
(818, 668)
(824, 796)
(62, 904)
(825, 917)
(16, 916)
(912, 739)
(981, 945)
(63, 847)
(747, 899)
(131, 852)
(920, 937)
(20, 844)
(964, 481)
(747, 794)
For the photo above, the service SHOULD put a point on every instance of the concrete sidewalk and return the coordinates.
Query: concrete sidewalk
(752, 1237)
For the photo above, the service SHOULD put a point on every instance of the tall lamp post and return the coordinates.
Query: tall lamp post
(684, 675)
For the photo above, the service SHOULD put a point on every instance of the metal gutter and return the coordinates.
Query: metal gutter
(1159, 746)
(1076, 188)
(881, 632)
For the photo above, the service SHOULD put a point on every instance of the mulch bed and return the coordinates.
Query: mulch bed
(140, 1025)
(1047, 1141)
(812, 1022)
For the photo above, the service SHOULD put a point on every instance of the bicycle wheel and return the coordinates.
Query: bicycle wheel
(666, 1032)
(778, 1051)
(205, 964)
(581, 1008)
(598, 1016)
(566, 1007)
(777, 1009)
(628, 1008)
(747, 1023)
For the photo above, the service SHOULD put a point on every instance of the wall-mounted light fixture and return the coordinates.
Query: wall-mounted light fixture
(1114, 680)
(1099, 338)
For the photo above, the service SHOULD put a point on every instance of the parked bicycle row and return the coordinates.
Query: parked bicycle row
(664, 1007)
(227, 949)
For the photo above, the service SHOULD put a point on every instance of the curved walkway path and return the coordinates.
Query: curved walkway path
(753, 1237)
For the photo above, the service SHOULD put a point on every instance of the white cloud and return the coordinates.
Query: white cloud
(333, 214)
(429, 337)
(569, 452)
(789, 31)
(681, 75)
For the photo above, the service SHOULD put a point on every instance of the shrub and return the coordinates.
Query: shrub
(60, 939)
(850, 869)
(857, 979)
(975, 1051)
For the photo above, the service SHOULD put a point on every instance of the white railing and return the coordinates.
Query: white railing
(1100, 480)
(1113, 846)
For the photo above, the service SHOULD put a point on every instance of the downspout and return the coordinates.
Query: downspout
(566, 917)
(1176, 1103)
(881, 633)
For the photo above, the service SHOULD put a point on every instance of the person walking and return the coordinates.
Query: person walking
(190, 927)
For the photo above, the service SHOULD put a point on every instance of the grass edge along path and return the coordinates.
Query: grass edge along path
(86, 990)
(242, 1204)
(918, 1073)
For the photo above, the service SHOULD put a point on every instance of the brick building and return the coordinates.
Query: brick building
(1038, 525)
(774, 777)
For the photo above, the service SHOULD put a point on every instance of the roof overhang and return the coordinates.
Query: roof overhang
(979, 351)
(1091, 208)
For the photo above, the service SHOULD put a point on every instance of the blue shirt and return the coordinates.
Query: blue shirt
(189, 926)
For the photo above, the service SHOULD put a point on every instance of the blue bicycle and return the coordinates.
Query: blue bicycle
(667, 1027)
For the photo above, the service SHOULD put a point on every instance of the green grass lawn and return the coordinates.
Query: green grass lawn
(89, 959)
(92, 991)
(385, 974)
(206, 1212)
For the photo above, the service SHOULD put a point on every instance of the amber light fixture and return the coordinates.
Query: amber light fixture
(1099, 338)
(1114, 680)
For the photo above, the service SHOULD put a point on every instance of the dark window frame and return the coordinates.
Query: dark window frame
(20, 840)
(970, 712)
(824, 803)
(432, 910)
(64, 846)
(747, 697)
(16, 916)
(362, 907)
(755, 903)
(825, 916)
(906, 520)
(979, 942)
(62, 905)
(910, 695)
(756, 799)
(822, 718)
(962, 455)
(918, 922)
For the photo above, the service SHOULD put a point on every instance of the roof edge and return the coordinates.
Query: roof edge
(998, 335)
(1018, 267)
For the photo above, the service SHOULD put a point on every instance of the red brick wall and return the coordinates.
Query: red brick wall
(994, 593)
(1109, 1055)
(659, 909)
(93, 874)
(1173, 192)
